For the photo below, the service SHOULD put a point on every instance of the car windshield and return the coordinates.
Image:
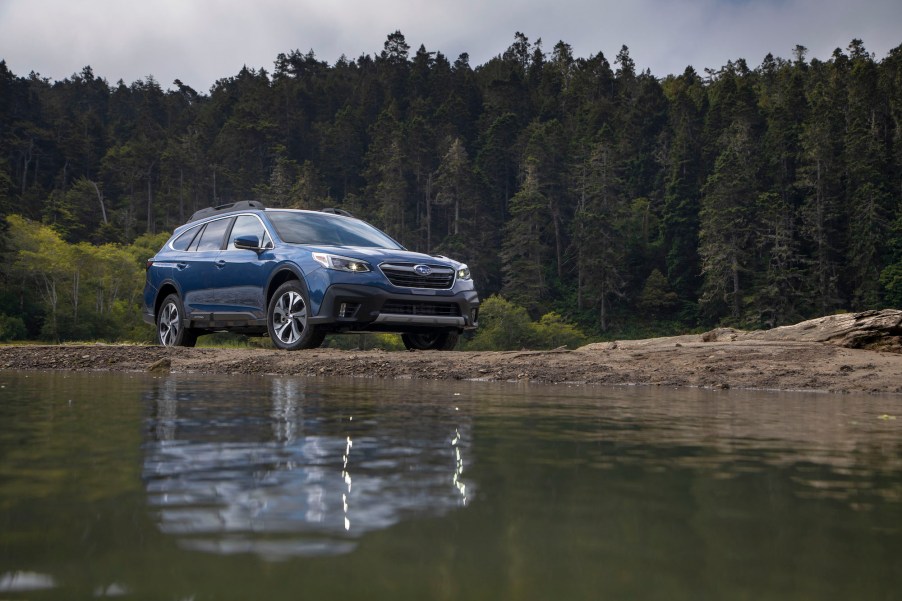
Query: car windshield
(322, 229)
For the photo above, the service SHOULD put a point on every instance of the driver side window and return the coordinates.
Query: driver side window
(248, 225)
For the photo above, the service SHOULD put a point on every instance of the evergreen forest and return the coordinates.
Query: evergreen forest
(582, 192)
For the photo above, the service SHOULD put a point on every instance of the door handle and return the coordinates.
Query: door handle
(220, 264)
(181, 266)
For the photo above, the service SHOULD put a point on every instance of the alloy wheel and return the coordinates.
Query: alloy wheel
(290, 317)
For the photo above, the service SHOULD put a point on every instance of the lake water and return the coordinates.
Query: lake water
(187, 487)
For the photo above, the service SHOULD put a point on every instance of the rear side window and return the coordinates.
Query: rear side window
(183, 241)
(211, 237)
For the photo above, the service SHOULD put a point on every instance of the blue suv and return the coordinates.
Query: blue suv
(299, 275)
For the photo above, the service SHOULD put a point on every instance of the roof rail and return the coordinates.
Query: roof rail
(241, 205)
(335, 211)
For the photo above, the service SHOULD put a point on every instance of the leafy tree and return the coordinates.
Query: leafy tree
(44, 262)
(12, 327)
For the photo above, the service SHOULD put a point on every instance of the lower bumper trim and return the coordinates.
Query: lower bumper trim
(421, 320)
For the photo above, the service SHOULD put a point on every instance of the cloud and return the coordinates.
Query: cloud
(200, 41)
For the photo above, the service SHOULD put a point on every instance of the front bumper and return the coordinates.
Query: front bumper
(363, 308)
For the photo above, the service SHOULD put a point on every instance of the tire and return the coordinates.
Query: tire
(286, 319)
(431, 341)
(171, 330)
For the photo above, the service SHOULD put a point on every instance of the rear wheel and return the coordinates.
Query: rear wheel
(171, 330)
(430, 341)
(287, 319)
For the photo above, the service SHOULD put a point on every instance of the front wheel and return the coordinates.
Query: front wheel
(287, 319)
(431, 341)
(171, 330)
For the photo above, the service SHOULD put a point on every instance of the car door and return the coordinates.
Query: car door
(198, 271)
(243, 274)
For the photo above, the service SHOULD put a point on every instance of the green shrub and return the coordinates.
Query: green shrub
(553, 331)
(504, 326)
(11, 328)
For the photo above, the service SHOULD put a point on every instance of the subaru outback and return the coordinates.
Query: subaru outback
(300, 275)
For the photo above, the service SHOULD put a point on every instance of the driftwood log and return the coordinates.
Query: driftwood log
(875, 330)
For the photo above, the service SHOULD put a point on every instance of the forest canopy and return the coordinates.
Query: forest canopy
(582, 188)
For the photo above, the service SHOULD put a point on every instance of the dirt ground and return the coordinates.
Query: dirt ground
(809, 356)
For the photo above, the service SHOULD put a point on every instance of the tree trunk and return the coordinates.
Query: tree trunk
(100, 200)
(556, 218)
(76, 281)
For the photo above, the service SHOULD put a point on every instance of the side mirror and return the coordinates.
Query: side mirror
(247, 243)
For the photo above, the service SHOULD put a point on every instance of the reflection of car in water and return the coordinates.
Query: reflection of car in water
(283, 472)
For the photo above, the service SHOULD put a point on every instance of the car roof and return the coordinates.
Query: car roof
(241, 205)
(253, 205)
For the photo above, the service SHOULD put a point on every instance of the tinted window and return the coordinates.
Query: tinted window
(248, 225)
(328, 230)
(183, 241)
(211, 237)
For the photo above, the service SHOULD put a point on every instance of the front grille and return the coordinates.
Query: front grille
(403, 275)
(421, 308)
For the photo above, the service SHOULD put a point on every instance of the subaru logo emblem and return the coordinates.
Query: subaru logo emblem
(422, 269)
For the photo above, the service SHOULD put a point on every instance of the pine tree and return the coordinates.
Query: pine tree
(599, 231)
(726, 237)
(780, 293)
(866, 158)
(819, 179)
(470, 233)
(682, 161)
(522, 251)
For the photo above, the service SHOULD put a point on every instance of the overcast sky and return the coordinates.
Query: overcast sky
(200, 41)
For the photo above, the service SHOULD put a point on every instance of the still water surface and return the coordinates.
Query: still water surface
(194, 487)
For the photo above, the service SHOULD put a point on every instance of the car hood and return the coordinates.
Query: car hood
(385, 255)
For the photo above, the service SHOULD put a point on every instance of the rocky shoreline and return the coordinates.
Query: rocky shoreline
(851, 353)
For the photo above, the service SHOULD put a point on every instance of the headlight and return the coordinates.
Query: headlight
(463, 272)
(341, 263)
